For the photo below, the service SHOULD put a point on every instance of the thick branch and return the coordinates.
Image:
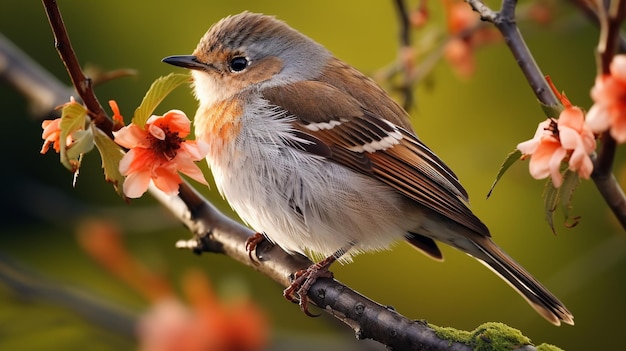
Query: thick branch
(370, 320)
(43, 90)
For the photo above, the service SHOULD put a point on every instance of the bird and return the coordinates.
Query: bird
(318, 159)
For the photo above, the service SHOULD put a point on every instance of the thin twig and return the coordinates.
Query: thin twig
(28, 285)
(405, 58)
(82, 83)
(590, 10)
(504, 20)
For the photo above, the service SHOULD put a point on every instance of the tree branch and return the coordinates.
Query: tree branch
(82, 83)
(214, 232)
(405, 57)
(609, 18)
(504, 20)
(42, 89)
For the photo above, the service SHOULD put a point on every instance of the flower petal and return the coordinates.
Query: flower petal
(538, 168)
(618, 129)
(188, 167)
(197, 150)
(140, 160)
(156, 131)
(178, 122)
(571, 117)
(117, 116)
(50, 127)
(598, 119)
(167, 180)
(530, 146)
(586, 168)
(570, 139)
(131, 136)
(555, 166)
(618, 67)
(540, 160)
(126, 161)
(136, 184)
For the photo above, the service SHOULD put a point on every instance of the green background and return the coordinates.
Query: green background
(472, 124)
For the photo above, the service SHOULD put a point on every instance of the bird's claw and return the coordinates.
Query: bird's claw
(302, 282)
(251, 244)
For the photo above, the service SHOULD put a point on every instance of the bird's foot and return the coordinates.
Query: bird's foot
(251, 243)
(304, 279)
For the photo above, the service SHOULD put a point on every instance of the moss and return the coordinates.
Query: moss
(452, 335)
(488, 336)
(497, 336)
(548, 347)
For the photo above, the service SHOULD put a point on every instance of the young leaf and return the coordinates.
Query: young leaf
(553, 197)
(510, 159)
(83, 143)
(73, 118)
(111, 155)
(550, 202)
(566, 194)
(161, 87)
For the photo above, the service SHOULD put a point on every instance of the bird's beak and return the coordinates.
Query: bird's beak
(186, 61)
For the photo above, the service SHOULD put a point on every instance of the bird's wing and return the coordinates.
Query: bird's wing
(333, 124)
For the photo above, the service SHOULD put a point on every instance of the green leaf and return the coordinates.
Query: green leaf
(510, 159)
(161, 87)
(552, 111)
(561, 197)
(111, 155)
(83, 143)
(566, 192)
(73, 118)
(550, 202)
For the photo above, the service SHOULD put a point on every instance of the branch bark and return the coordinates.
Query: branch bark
(82, 83)
(610, 18)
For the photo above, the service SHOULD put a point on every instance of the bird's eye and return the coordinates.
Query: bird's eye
(238, 64)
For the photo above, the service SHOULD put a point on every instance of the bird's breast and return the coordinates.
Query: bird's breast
(218, 125)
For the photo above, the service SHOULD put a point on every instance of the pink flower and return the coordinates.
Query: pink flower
(202, 322)
(157, 152)
(567, 138)
(52, 132)
(206, 323)
(609, 96)
(51, 135)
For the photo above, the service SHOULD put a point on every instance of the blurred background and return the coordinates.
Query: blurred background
(56, 294)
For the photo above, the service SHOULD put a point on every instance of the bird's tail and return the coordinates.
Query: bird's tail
(542, 300)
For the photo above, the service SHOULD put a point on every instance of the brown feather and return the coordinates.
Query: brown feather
(409, 167)
(369, 95)
(426, 245)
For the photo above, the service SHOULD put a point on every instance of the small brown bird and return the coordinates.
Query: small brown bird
(315, 155)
